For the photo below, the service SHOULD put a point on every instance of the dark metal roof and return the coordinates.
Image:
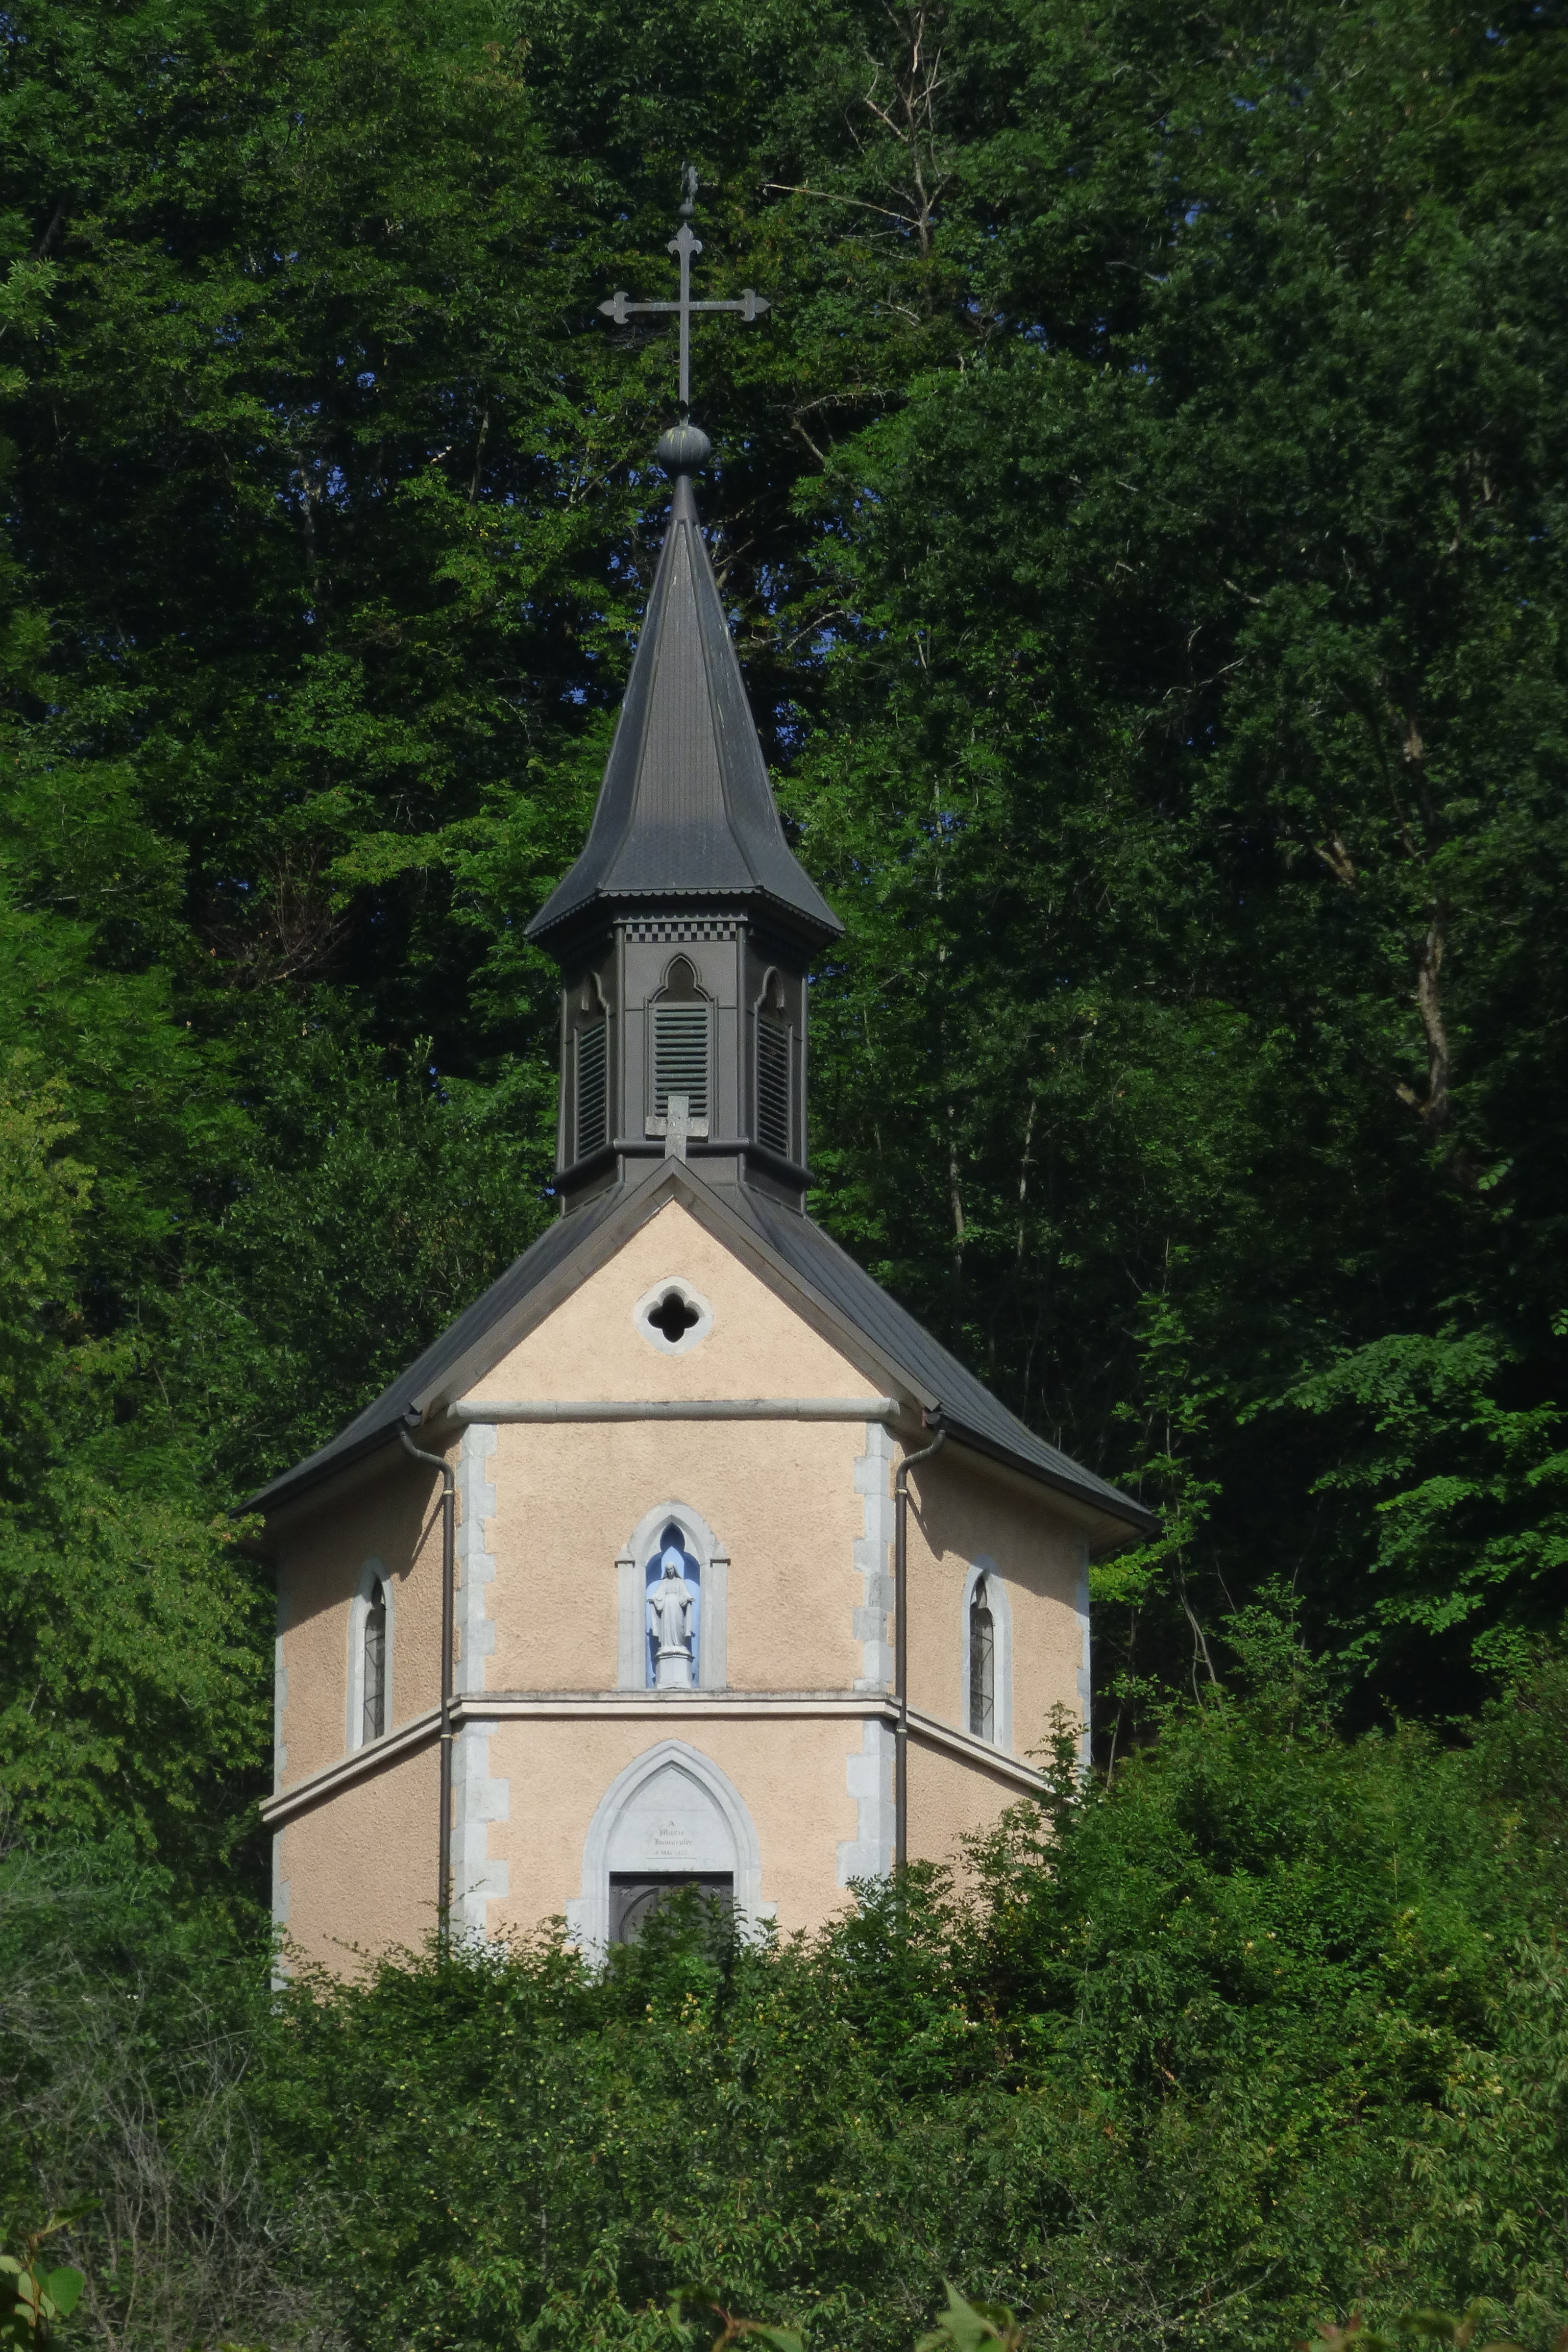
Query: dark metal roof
(564, 1255)
(401, 1405)
(685, 810)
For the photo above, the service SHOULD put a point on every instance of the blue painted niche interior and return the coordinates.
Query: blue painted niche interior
(693, 1575)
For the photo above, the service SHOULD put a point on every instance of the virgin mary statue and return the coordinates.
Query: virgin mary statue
(670, 1603)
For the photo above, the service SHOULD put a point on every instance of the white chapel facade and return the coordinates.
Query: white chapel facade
(603, 1596)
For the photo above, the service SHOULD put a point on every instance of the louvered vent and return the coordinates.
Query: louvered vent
(681, 1058)
(593, 1089)
(772, 1086)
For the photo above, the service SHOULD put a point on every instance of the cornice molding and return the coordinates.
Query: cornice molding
(647, 1707)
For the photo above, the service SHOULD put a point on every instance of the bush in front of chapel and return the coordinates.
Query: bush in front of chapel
(1271, 2027)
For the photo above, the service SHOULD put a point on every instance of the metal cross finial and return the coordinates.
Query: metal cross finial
(620, 307)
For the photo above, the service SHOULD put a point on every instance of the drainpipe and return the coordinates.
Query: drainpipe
(901, 1640)
(448, 1611)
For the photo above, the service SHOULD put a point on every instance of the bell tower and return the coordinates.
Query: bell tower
(686, 929)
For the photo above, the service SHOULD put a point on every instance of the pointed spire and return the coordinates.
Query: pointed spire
(685, 811)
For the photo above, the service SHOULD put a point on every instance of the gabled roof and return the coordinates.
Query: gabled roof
(806, 1258)
(685, 810)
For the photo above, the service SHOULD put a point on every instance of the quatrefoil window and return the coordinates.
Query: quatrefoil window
(672, 1317)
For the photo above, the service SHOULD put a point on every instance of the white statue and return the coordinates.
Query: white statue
(670, 1603)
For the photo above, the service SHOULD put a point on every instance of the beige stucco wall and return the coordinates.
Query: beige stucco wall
(791, 1776)
(392, 1514)
(960, 1508)
(779, 1496)
(360, 1869)
(950, 1800)
(760, 1344)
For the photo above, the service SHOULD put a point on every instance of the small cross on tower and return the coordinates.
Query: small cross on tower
(620, 307)
(676, 1126)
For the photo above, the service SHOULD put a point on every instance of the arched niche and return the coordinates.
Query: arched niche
(670, 1811)
(712, 1564)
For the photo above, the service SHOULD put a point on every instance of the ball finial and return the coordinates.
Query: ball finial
(684, 449)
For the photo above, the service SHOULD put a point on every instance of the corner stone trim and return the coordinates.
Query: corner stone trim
(476, 1567)
(279, 1709)
(1086, 1663)
(477, 1799)
(280, 1769)
(869, 1775)
(279, 1884)
(874, 1485)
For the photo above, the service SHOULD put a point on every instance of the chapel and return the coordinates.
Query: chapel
(686, 1556)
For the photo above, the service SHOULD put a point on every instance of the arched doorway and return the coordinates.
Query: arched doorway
(670, 1819)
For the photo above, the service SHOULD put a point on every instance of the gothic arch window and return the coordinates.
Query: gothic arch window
(673, 1528)
(370, 1657)
(774, 1067)
(981, 1664)
(682, 1043)
(986, 1677)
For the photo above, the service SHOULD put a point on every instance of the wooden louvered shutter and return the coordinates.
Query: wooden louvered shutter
(774, 1086)
(680, 1056)
(592, 1088)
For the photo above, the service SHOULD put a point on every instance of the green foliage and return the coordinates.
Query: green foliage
(1427, 2326)
(966, 2326)
(1263, 2027)
(34, 2301)
(732, 2330)
(135, 1689)
(1271, 2025)
(372, 1206)
(1468, 1473)
(129, 2023)
(1140, 513)
(43, 1194)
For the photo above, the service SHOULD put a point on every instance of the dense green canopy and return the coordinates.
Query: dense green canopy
(1274, 2025)
(1141, 516)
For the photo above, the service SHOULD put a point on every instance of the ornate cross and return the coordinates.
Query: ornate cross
(684, 244)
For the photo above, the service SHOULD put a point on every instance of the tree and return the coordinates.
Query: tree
(1140, 516)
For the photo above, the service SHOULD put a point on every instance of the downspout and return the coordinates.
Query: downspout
(448, 1611)
(901, 1641)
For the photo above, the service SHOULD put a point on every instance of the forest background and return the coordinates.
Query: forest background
(1142, 519)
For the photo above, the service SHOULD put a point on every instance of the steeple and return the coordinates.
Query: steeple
(685, 812)
(685, 929)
